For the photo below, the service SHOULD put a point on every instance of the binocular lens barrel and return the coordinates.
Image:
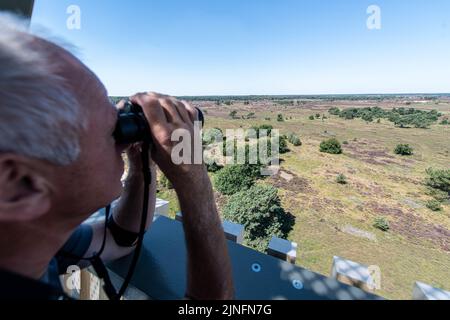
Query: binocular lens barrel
(132, 125)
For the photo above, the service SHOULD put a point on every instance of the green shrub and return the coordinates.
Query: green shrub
(382, 224)
(367, 117)
(213, 167)
(332, 146)
(439, 179)
(404, 150)
(345, 142)
(283, 145)
(259, 210)
(437, 194)
(341, 179)
(334, 111)
(163, 181)
(434, 205)
(294, 139)
(233, 114)
(317, 115)
(267, 127)
(280, 118)
(235, 178)
(401, 117)
(312, 118)
(445, 122)
(212, 135)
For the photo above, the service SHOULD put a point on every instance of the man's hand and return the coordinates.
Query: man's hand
(165, 115)
(209, 266)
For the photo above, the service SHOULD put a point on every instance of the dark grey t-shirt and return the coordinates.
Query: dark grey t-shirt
(76, 246)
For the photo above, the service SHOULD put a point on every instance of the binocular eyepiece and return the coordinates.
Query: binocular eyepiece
(132, 125)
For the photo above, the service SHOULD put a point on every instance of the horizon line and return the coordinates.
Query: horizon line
(312, 95)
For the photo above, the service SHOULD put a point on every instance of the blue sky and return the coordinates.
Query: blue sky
(239, 47)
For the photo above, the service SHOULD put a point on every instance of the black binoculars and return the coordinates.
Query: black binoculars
(132, 125)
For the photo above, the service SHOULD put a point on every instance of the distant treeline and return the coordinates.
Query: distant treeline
(351, 97)
(289, 99)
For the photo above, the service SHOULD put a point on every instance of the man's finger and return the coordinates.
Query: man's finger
(192, 112)
(154, 113)
(121, 104)
(184, 114)
(171, 111)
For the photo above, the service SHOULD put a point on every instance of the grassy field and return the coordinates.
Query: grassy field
(337, 220)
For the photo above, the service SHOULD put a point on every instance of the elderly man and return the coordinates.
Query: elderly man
(59, 163)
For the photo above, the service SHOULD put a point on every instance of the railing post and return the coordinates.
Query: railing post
(283, 249)
(424, 291)
(233, 231)
(162, 208)
(355, 274)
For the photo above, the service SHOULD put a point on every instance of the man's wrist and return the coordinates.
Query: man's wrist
(197, 196)
(136, 177)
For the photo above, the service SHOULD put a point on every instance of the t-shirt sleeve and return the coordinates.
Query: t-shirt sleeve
(75, 248)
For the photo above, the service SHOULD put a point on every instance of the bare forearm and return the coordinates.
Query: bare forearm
(128, 211)
(209, 266)
(127, 214)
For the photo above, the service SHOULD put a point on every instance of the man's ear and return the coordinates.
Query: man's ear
(24, 191)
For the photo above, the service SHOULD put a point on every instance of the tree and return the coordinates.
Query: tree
(332, 146)
(367, 117)
(233, 114)
(235, 178)
(404, 150)
(280, 118)
(259, 210)
(334, 111)
(439, 179)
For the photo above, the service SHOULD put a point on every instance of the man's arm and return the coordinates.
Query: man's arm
(209, 269)
(209, 266)
(126, 214)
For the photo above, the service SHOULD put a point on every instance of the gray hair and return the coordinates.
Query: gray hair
(40, 116)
